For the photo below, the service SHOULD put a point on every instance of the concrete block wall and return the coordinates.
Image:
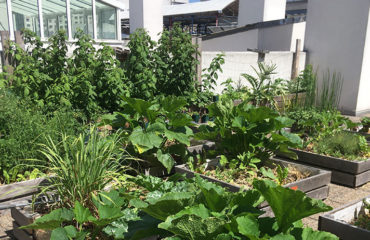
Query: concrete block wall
(237, 63)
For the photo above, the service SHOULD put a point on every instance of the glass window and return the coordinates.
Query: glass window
(81, 16)
(54, 14)
(25, 15)
(106, 21)
(4, 24)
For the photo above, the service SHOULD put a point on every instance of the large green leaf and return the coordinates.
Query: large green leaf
(166, 205)
(194, 227)
(142, 107)
(82, 214)
(166, 159)
(215, 196)
(248, 226)
(144, 141)
(288, 205)
(52, 220)
(178, 136)
(172, 103)
(67, 233)
(309, 234)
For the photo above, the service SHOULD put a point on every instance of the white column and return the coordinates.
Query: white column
(41, 19)
(118, 20)
(69, 21)
(10, 19)
(147, 14)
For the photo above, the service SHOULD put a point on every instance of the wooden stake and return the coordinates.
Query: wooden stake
(295, 67)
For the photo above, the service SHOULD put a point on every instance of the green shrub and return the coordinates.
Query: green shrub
(343, 144)
(22, 128)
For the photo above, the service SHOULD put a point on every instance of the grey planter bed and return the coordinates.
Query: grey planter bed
(315, 186)
(344, 172)
(338, 222)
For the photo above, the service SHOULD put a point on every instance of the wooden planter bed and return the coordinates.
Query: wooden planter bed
(344, 172)
(339, 221)
(20, 189)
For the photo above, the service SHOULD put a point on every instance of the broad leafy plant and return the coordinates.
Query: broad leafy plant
(107, 217)
(248, 133)
(207, 211)
(157, 130)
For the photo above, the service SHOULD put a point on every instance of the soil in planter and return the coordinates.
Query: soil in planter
(244, 178)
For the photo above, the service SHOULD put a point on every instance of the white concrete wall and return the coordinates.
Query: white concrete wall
(277, 38)
(254, 11)
(235, 42)
(335, 41)
(237, 63)
(147, 14)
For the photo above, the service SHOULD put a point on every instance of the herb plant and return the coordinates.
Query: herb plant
(83, 165)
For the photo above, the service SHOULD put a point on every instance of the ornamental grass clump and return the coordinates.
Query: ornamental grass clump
(85, 165)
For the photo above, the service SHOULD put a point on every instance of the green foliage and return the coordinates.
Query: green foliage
(21, 130)
(208, 211)
(176, 63)
(305, 82)
(89, 81)
(83, 165)
(248, 131)
(234, 92)
(365, 124)
(343, 144)
(108, 217)
(157, 130)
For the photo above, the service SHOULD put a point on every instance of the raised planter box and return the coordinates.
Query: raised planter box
(344, 172)
(338, 222)
(315, 186)
(23, 216)
(20, 189)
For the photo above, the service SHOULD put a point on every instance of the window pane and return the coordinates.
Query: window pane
(54, 13)
(106, 21)
(25, 15)
(81, 13)
(4, 24)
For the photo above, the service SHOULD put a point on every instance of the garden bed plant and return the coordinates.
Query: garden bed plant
(327, 144)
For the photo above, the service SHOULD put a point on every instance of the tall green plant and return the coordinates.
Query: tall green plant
(176, 63)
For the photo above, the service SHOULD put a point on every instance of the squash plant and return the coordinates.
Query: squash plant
(204, 210)
(255, 133)
(157, 130)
